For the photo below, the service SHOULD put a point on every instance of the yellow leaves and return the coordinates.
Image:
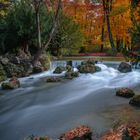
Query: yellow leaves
(3, 7)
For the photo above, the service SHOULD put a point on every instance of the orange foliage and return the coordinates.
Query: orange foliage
(90, 17)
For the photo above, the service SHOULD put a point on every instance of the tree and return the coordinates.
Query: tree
(135, 30)
(51, 34)
(107, 6)
(68, 38)
(18, 27)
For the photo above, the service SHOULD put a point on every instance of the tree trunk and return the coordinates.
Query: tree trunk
(110, 32)
(102, 35)
(107, 8)
(118, 43)
(53, 30)
(38, 29)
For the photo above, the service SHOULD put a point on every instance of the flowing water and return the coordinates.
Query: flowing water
(50, 109)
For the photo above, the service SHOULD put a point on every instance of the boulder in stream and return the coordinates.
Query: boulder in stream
(59, 69)
(53, 79)
(37, 69)
(125, 92)
(135, 101)
(124, 67)
(71, 75)
(69, 68)
(11, 84)
(88, 67)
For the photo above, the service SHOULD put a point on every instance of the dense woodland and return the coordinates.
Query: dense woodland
(69, 27)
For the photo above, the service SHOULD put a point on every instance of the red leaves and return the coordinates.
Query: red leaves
(130, 131)
(76, 132)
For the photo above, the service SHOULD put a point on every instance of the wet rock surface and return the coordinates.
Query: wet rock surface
(125, 92)
(124, 67)
(135, 101)
(11, 84)
(53, 79)
(88, 67)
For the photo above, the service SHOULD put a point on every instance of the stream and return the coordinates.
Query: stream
(42, 108)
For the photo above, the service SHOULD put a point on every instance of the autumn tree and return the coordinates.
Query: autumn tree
(135, 30)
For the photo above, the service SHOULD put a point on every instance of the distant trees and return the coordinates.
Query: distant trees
(135, 30)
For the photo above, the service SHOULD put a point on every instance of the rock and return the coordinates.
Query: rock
(45, 61)
(68, 75)
(88, 67)
(4, 60)
(37, 69)
(12, 84)
(6, 85)
(13, 69)
(59, 69)
(69, 68)
(71, 75)
(80, 133)
(135, 101)
(125, 92)
(53, 79)
(90, 61)
(2, 74)
(28, 68)
(124, 67)
(15, 60)
(75, 74)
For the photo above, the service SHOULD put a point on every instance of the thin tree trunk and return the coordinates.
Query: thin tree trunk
(38, 28)
(110, 32)
(102, 35)
(107, 7)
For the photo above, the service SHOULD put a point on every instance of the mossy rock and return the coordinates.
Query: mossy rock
(135, 101)
(7, 85)
(2, 74)
(13, 69)
(87, 68)
(71, 75)
(12, 84)
(53, 79)
(88, 62)
(59, 69)
(75, 74)
(69, 68)
(124, 67)
(37, 69)
(125, 92)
